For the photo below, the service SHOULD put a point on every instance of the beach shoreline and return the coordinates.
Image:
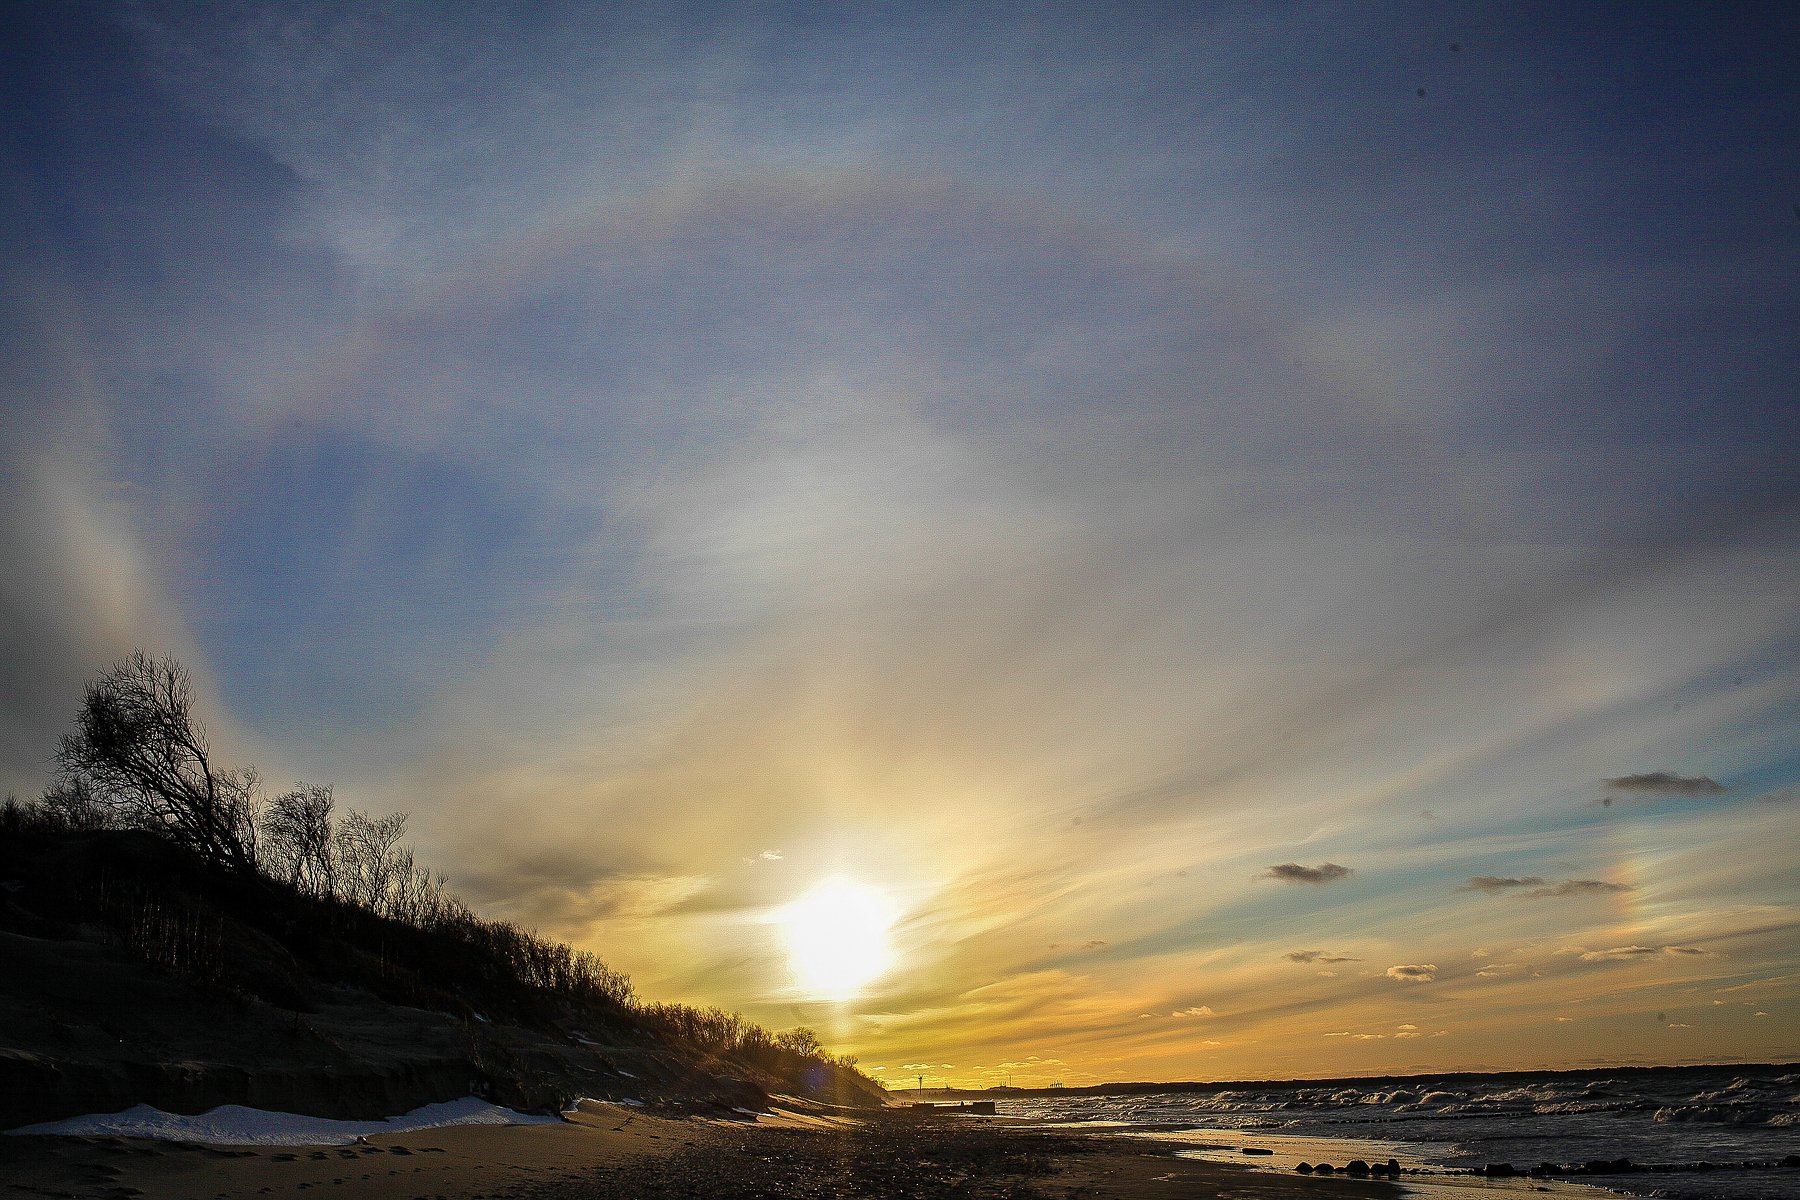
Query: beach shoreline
(607, 1150)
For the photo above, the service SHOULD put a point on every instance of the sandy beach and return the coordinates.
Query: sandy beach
(604, 1150)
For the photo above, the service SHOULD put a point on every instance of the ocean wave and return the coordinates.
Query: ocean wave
(1722, 1114)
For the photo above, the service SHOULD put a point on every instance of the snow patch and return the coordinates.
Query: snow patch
(235, 1125)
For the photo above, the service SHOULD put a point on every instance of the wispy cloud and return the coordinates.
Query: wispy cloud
(629, 444)
(1292, 872)
(1628, 953)
(1583, 887)
(1534, 887)
(1498, 883)
(1662, 783)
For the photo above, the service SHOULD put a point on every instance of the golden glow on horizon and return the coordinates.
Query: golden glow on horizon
(837, 938)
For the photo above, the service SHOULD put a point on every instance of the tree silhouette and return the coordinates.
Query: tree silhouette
(140, 750)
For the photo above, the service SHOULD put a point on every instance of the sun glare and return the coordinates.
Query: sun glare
(837, 938)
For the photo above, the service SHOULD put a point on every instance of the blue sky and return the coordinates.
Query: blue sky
(1050, 465)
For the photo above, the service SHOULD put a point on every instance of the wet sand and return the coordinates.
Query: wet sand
(608, 1151)
(1423, 1180)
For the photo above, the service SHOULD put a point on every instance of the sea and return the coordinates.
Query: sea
(1689, 1133)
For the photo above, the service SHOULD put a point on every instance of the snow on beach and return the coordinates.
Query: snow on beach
(235, 1125)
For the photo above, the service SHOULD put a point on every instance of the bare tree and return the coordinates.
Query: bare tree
(366, 854)
(71, 804)
(799, 1040)
(298, 840)
(141, 750)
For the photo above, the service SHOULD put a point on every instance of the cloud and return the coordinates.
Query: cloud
(1534, 887)
(1662, 783)
(1497, 883)
(79, 593)
(1317, 956)
(1628, 953)
(1199, 1010)
(1618, 953)
(1758, 985)
(770, 856)
(1295, 873)
(1413, 972)
(1582, 887)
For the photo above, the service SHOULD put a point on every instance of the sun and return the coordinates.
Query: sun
(837, 938)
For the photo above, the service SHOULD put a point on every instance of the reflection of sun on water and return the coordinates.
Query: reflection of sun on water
(837, 938)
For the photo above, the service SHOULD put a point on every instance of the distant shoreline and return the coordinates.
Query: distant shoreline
(1131, 1088)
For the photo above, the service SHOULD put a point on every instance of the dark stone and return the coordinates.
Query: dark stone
(1256, 1150)
(1324, 1168)
(1607, 1166)
(1393, 1167)
(1792, 1160)
(1356, 1166)
(1498, 1169)
(1304, 1168)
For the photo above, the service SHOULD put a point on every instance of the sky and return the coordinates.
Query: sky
(1266, 540)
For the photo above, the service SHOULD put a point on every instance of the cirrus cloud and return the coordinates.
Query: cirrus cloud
(1536, 887)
